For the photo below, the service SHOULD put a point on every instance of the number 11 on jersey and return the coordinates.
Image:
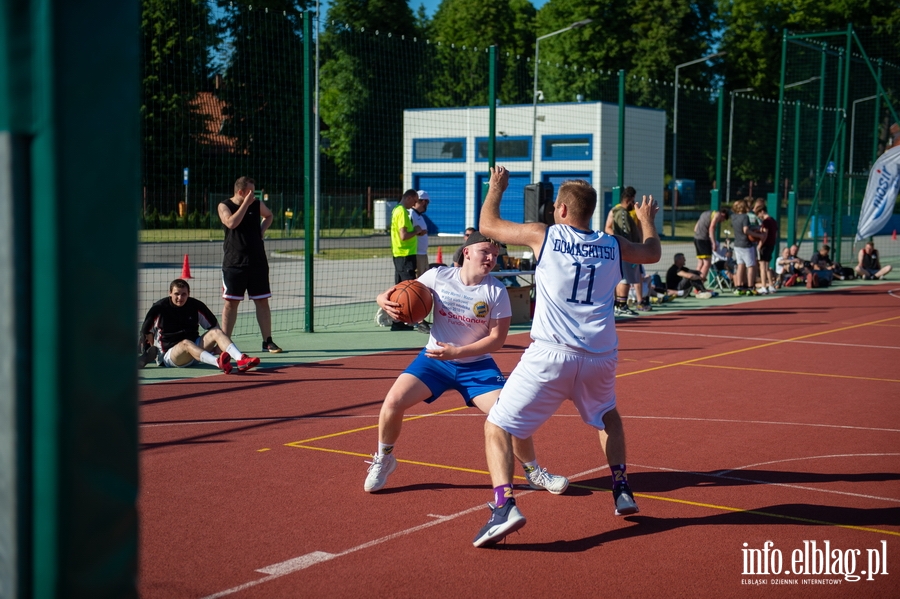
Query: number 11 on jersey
(590, 284)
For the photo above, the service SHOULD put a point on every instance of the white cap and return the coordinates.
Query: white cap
(423, 195)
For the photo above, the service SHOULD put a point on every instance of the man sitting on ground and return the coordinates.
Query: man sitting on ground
(170, 334)
(824, 266)
(680, 280)
(869, 264)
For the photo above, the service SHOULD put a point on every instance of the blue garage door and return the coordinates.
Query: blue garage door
(512, 207)
(557, 179)
(447, 208)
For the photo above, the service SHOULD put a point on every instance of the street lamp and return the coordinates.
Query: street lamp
(675, 131)
(804, 82)
(534, 97)
(730, 131)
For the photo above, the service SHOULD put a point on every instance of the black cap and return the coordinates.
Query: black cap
(477, 237)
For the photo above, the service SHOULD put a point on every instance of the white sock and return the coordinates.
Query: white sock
(385, 448)
(208, 358)
(234, 352)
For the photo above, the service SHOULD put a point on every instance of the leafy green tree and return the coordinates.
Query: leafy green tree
(177, 36)
(373, 58)
(463, 30)
(263, 92)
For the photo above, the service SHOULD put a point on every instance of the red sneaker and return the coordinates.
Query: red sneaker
(246, 363)
(224, 362)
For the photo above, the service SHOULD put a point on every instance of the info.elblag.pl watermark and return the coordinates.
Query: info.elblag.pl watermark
(813, 563)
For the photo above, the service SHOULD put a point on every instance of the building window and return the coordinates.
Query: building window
(439, 150)
(507, 148)
(567, 147)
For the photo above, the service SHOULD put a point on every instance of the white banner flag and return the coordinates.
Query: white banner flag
(881, 193)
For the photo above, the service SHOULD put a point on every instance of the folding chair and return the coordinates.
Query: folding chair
(717, 278)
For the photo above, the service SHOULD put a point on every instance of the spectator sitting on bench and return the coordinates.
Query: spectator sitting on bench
(869, 264)
(788, 268)
(680, 280)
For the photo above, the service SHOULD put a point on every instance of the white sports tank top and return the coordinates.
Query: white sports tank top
(575, 279)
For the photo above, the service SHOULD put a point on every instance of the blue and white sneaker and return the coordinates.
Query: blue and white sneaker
(624, 499)
(504, 520)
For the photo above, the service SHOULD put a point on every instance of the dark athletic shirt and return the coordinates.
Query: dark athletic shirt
(244, 244)
(174, 324)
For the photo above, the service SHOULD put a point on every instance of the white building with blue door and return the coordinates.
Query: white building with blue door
(445, 152)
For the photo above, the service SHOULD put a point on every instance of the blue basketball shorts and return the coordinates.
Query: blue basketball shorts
(471, 379)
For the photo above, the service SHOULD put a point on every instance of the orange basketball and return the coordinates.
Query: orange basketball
(415, 301)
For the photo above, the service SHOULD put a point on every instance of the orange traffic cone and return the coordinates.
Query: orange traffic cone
(186, 269)
(825, 239)
(440, 254)
(894, 235)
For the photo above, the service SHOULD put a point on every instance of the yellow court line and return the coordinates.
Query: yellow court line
(755, 347)
(793, 372)
(640, 495)
(368, 428)
(746, 511)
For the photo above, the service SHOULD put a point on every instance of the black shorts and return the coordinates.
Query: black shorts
(704, 248)
(765, 253)
(404, 268)
(254, 281)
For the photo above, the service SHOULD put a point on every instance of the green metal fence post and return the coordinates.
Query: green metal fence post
(773, 209)
(714, 194)
(492, 106)
(309, 130)
(621, 144)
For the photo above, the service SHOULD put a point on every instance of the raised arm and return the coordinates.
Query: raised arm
(504, 231)
(649, 250)
(232, 220)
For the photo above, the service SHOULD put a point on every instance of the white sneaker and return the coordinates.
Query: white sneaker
(762, 291)
(771, 289)
(381, 468)
(704, 295)
(541, 479)
(382, 319)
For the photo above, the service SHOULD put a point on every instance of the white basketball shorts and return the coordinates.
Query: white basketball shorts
(546, 376)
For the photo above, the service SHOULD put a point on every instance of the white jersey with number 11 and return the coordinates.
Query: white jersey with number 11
(576, 278)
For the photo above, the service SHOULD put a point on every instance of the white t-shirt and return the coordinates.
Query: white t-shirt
(462, 313)
(575, 283)
(418, 219)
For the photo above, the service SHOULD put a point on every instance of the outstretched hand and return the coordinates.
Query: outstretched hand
(499, 178)
(647, 209)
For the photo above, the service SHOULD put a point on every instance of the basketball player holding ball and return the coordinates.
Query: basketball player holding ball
(471, 319)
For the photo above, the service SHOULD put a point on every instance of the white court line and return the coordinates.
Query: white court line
(722, 474)
(310, 559)
(733, 421)
(764, 339)
(479, 415)
(305, 561)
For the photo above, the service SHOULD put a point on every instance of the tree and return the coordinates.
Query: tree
(372, 69)
(263, 92)
(463, 30)
(176, 36)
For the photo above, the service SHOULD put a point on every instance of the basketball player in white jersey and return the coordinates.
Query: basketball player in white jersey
(573, 353)
(471, 319)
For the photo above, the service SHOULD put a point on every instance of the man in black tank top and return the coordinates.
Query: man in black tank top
(245, 268)
(869, 264)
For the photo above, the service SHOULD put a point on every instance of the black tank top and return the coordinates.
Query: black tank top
(870, 261)
(243, 244)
